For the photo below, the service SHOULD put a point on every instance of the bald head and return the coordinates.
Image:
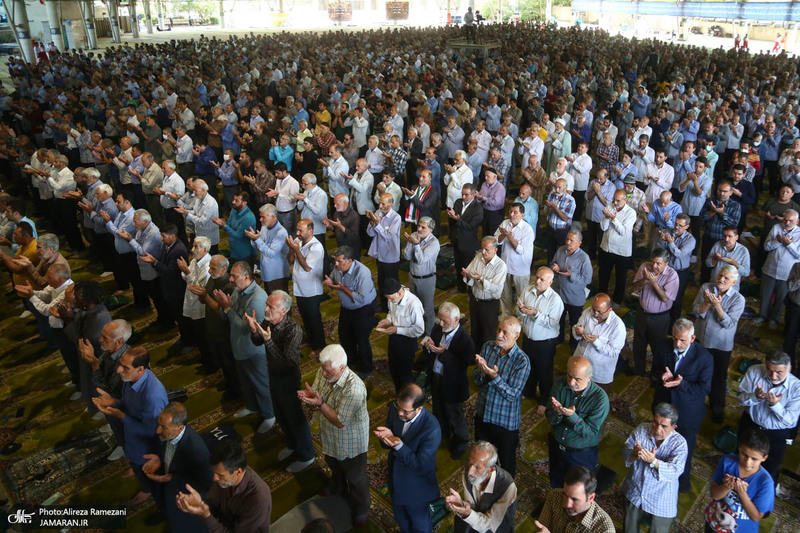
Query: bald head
(579, 373)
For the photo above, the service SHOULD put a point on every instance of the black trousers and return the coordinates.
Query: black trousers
(677, 307)
(592, 238)
(574, 312)
(104, 248)
(621, 264)
(777, 444)
(690, 434)
(708, 244)
(355, 326)
(541, 355)
(450, 416)
(283, 386)
(562, 459)
(68, 223)
(401, 358)
(791, 331)
(312, 320)
(772, 170)
(649, 329)
(349, 479)
(173, 217)
(505, 440)
(553, 238)
(580, 203)
(719, 381)
(129, 269)
(222, 356)
(462, 260)
(483, 317)
(69, 352)
(386, 271)
(152, 287)
(491, 220)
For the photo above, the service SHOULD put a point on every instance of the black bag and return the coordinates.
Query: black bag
(217, 435)
(177, 395)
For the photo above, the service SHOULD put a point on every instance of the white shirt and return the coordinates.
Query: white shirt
(201, 214)
(456, 181)
(193, 307)
(61, 182)
(566, 176)
(309, 283)
(604, 351)
(617, 232)
(518, 260)
(407, 315)
(492, 277)
(665, 175)
(287, 188)
(580, 169)
(545, 324)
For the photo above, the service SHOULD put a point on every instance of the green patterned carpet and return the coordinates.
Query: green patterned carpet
(63, 453)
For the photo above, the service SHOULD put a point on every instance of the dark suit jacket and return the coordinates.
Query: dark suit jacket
(429, 207)
(412, 468)
(189, 463)
(453, 384)
(464, 231)
(697, 368)
(172, 283)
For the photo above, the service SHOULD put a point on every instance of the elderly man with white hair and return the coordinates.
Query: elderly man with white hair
(281, 337)
(195, 274)
(718, 307)
(341, 399)
(457, 175)
(146, 241)
(270, 241)
(202, 214)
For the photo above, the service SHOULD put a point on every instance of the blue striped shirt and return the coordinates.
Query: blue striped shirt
(566, 204)
(500, 399)
(655, 490)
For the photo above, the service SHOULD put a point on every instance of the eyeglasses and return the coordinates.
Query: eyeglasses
(403, 411)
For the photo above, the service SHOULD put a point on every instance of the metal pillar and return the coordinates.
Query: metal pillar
(18, 20)
(134, 19)
(148, 19)
(87, 10)
(221, 15)
(113, 14)
(548, 11)
(54, 19)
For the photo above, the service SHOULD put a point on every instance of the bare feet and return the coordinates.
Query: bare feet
(140, 498)
(128, 474)
(540, 409)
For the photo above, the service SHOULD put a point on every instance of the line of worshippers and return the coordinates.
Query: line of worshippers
(539, 306)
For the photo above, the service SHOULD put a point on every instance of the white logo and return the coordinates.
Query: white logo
(20, 517)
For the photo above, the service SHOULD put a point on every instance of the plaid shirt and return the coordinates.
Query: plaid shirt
(612, 152)
(555, 518)
(348, 397)
(715, 224)
(655, 490)
(399, 160)
(566, 204)
(500, 399)
(582, 428)
(501, 166)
